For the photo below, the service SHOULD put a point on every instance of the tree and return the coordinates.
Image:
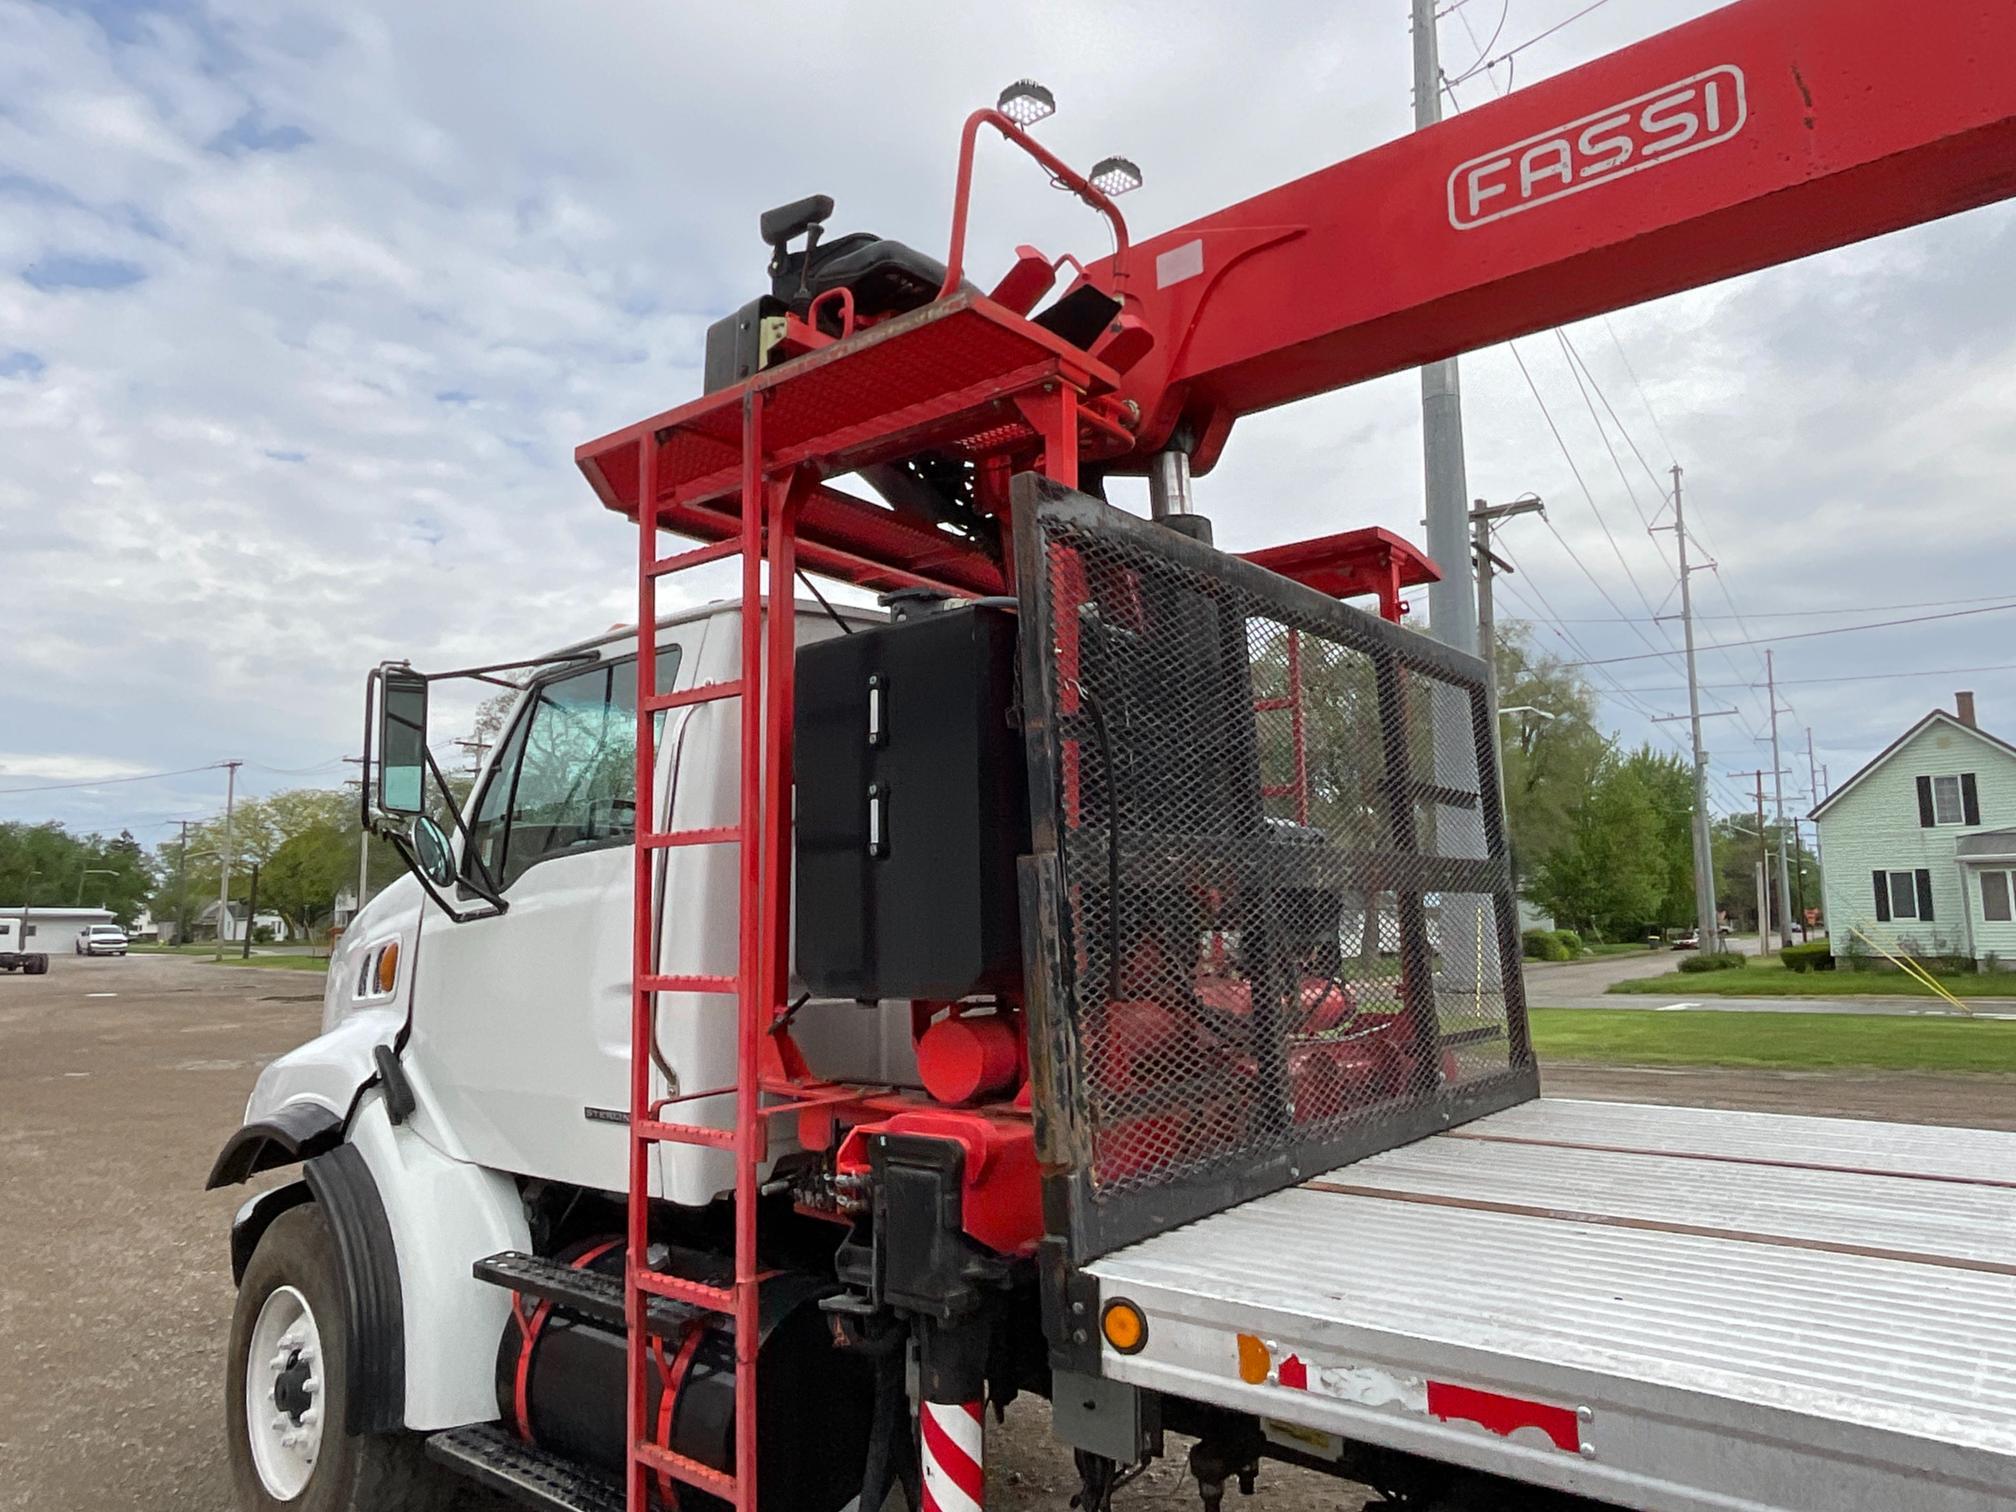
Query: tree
(46, 865)
(302, 877)
(1615, 871)
(1549, 763)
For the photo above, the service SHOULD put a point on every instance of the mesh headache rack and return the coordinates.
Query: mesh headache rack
(1276, 919)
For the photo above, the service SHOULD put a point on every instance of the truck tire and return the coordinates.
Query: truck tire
(38, 965)
(284, 1390)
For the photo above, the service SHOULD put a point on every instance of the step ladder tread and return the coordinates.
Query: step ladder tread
(488, 1453)
(589, 1294)
(666, 1132)
(659, 981)
(682, 1467)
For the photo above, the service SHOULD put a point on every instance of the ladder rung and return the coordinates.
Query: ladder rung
(686, 1097)
(683, 1133)
(720, 834)
(716, 1299)
(1270, 705)
(680, 560)
(704, 693)
(659, 982)
(691, 1471)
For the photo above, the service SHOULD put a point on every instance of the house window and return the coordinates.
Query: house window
(1995, 897)
(1903, 895)
(1946, 807)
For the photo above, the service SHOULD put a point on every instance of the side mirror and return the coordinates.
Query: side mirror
(402, 742)
(432, 853)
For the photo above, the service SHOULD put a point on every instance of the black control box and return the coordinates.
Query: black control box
(912, 808)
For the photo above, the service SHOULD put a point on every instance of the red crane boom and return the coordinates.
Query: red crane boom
(1760, 133)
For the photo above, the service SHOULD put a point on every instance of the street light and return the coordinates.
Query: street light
(1535, 711)
(91, 871)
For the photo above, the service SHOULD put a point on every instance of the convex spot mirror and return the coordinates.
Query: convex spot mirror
(431, 852)
(402, 744)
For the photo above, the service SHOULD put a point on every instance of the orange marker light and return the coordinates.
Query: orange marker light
(1125, 1329)
(388, 967)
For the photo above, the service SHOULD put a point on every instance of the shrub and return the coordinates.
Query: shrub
(1814, 955)
(1569, 941)
(1718, 962)
(1542, 945)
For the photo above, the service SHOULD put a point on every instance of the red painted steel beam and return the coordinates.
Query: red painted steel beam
(1760, 133)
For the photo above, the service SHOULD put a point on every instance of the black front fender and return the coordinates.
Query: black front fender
(293, 1133)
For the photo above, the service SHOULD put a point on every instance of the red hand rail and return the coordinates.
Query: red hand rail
(1061, 171)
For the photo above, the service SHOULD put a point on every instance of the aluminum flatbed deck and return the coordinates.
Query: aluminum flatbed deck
(1665, 1308)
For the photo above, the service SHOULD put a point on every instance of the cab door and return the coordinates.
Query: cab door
(521, 1022)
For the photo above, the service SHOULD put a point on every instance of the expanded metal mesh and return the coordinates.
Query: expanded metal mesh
(1280, 926)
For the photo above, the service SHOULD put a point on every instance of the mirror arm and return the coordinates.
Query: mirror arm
(371, 681)
(412, 863)
(487, 888)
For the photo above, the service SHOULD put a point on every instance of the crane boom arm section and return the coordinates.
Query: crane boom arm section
(1759, 133)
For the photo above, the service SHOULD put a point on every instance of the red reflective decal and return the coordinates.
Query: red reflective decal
(1293, 1373)
(1503, 1414)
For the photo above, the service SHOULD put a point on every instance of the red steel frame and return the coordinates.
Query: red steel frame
(1862, 116)
(1018, 399)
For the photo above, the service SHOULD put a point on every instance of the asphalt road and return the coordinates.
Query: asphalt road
(120, 1078)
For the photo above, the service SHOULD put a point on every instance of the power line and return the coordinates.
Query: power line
(1915, 619)
(1581, 483)
(1852, 677)
(320, 766)
(1514, 52)
(1771, 614)
(56, 787)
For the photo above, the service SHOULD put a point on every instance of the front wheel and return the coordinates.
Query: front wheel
(284, 1389)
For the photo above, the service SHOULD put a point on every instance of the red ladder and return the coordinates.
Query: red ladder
(765, 534)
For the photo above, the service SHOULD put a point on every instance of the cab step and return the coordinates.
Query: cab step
(490, 1454)
(587, 1294)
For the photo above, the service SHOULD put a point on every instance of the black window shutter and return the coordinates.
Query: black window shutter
(1882, 897)
(1924, 894)
(1925, 803)
(1970, 798)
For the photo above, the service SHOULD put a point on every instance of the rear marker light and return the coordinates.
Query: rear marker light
(1124, 1326)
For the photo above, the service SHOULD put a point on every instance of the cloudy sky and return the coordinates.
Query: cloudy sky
(304, 308)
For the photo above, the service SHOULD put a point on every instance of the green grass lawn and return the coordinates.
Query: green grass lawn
(282, 962)
(1769, 978)
(1624, 947)
(1774, 1041)
(205, 950)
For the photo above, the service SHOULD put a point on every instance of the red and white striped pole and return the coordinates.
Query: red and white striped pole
(955, 1475)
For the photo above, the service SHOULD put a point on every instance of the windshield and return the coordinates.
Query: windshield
(106, 929)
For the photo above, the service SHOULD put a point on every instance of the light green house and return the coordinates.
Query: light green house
(1918, 849)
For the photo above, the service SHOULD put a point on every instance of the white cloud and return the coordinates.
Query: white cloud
(399, 260)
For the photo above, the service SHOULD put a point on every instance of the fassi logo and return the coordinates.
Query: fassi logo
(1656, 127)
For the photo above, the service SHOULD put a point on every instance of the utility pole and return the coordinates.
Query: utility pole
(363, 840)
(1704, 850)
(1763, 867)
(1813, 783)
(1482, 517)
(182, 886)
(251, 913)
(1778, 786)
(224, 855)
(1452, 608)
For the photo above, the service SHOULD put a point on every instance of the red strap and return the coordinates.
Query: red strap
(670, 1379)
(529, 1328)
